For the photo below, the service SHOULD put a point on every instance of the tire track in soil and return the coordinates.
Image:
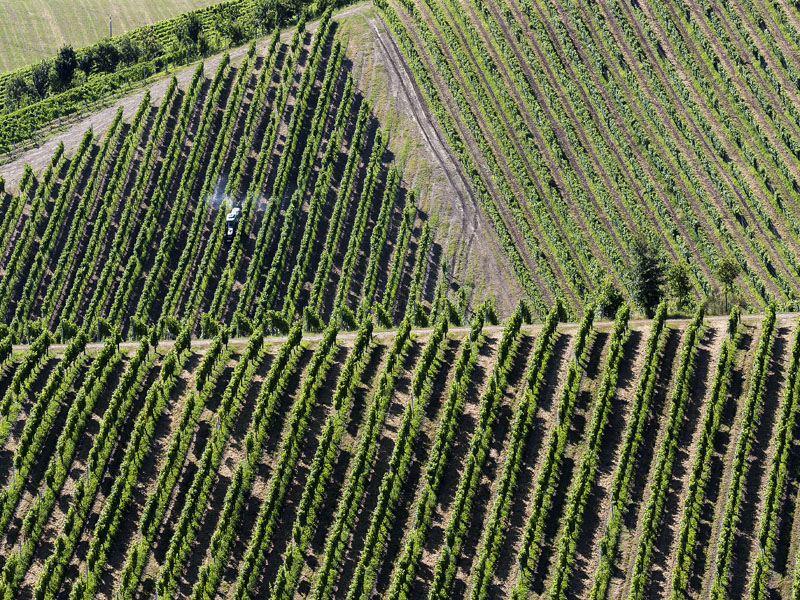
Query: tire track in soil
(474, 225)
(534, 131)
(477, 157)
(503, 161)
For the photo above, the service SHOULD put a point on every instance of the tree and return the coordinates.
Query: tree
(209, 325)
(128, 50)
(277, 322)
(727, 271)
(203, 45)
(265, 14)
(67, 329)
(648, 274)
(288, 9)
(243, 325)
(189, 29)
(609, 298)
(312, 320)
(86, 60)
(16, 90)
(35, 329)
(679, 282)
(237, 31)
(40, 78)
(64, 66)
(154, 337)
(348, 318)
(105, 56)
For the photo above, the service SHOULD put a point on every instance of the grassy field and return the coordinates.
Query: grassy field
(31, 30)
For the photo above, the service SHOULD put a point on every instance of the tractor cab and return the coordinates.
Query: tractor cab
(230, 224)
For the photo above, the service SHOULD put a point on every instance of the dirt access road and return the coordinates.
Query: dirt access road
(385, 334)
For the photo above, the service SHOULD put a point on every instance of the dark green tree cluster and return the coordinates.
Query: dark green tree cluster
(70, 68)
(647, 275)
(650, 274)
(187, 37)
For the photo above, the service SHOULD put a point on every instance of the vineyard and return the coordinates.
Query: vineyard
(130, 229)
(633, 459)
(583, 126)
(355, 311)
